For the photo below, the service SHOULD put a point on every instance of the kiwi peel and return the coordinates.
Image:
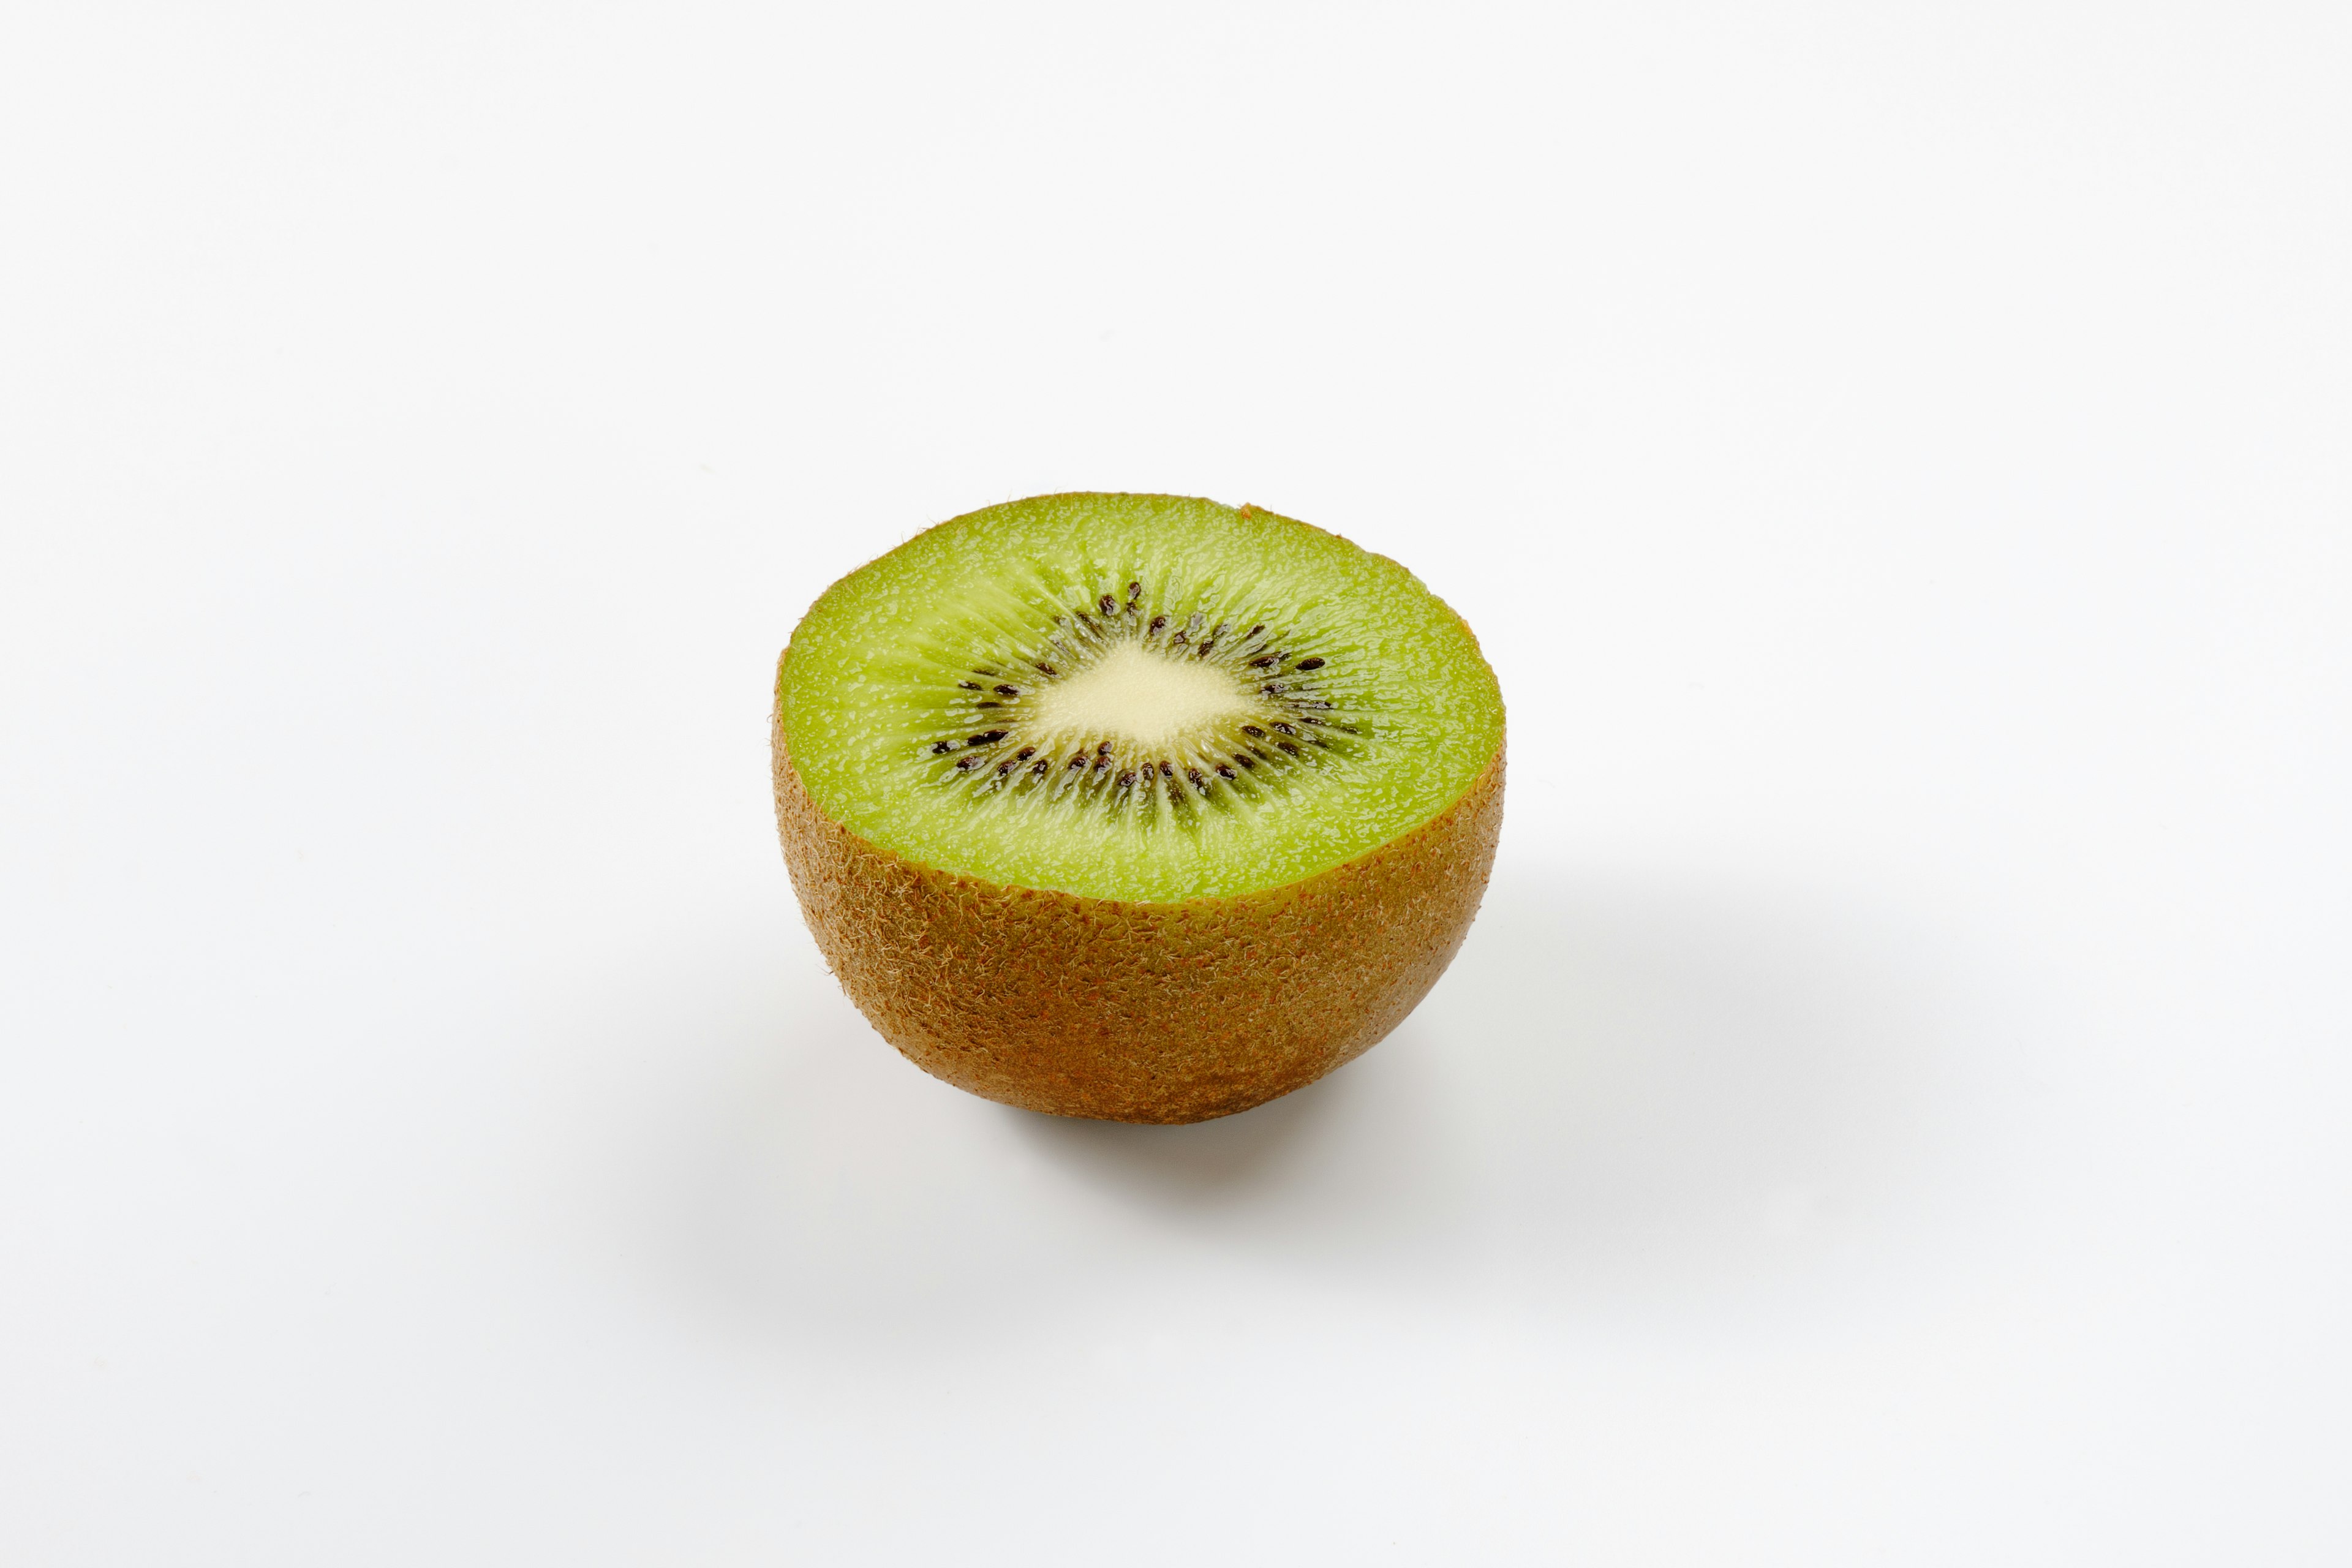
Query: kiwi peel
(1135, 807)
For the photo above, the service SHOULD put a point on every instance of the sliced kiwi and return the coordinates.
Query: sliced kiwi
(1136, 806)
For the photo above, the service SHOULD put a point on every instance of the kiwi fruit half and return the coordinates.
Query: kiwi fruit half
(1132, 806)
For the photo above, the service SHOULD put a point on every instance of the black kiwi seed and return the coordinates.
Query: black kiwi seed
(1178, 640)
(1310, 664)
(989, 673)
(988, 704)
(1253, 732)
(1245, 759)
(1305, 718)
(1257, 629)
(1274, 689)
(1158, 622)
(970, 685)
(985, 738)
(940, 748)
(1286, 729)
(1167, 769)
(1126, 779)
(1290, 746)
(1043, 668)
(1008, 691)
(964, 762)
(1200, 781)
(1025, 753)
(1103, 750)
(1226, 771)
(1134, 591)
(1039, 768)
(1205, 647)
(1109, 605)
(1079, 760)
(1262, 663)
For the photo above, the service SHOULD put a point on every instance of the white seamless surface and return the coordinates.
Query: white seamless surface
(1890, 1108)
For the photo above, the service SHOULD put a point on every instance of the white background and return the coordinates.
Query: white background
(1891, 1109)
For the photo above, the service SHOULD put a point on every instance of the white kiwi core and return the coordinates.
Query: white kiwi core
(1144, 697)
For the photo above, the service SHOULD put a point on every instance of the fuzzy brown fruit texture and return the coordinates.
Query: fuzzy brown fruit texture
(1138, 1012)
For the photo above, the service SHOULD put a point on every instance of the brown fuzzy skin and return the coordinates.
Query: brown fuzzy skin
(1138, 1012)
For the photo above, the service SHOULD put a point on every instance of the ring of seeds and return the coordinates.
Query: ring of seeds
(1160, 713)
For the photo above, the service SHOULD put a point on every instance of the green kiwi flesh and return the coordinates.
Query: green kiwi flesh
(1135, 698)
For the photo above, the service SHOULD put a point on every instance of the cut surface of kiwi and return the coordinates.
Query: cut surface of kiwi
(1147, 699)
